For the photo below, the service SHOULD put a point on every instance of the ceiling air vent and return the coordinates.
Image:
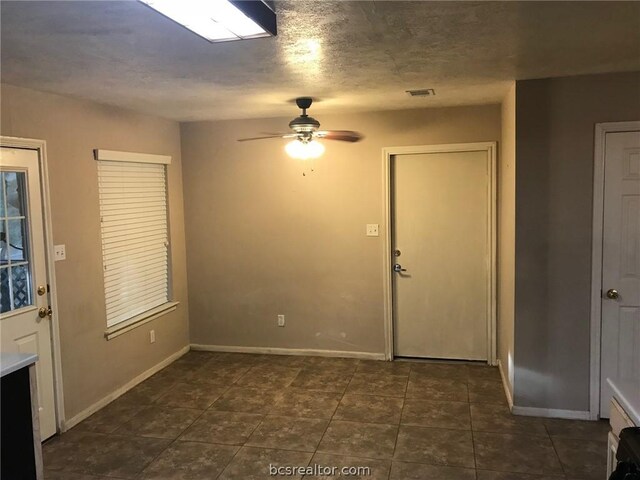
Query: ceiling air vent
(423, 92)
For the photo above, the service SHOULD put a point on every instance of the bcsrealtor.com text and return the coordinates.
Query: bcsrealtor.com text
(316, 470)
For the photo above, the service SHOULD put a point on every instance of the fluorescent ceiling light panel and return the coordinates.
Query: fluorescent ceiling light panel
(219, 20)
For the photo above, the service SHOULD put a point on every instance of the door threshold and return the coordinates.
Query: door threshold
(441, 361)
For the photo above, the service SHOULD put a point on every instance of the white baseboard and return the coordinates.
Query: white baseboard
(288, 351)
(72, 422)
(551, 413)
(505, 385)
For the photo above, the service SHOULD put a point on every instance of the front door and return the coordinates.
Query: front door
(23, 274)
(620, 355)
(441, 236)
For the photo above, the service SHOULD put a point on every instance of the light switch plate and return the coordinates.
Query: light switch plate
(372, 229)
(59, 253)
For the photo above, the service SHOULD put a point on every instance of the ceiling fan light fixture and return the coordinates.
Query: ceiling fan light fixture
(304, 129)
(304, 150)
(220, 20)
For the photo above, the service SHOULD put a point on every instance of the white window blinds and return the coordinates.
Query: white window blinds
(133, 217)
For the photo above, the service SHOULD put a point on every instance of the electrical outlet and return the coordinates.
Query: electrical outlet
(59, 253)
(281, 320)
(372, 229)
(152, 336)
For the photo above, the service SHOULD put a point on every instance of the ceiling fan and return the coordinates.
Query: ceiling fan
(305, 131)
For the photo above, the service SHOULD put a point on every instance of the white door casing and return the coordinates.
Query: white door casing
(24, 269)
(441, 216)
(620, 307)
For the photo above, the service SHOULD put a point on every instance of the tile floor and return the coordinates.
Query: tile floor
(220, 416)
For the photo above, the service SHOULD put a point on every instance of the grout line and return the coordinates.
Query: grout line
(201, 367)
(157, 456)
(213, 362)
(337, 407)
(267, 413)
(555, 450)
(183, 431)
(240, 447)
(395, 445)
(473, 448)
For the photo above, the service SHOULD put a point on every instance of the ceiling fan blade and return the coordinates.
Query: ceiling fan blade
(270, 135)
(342, 135)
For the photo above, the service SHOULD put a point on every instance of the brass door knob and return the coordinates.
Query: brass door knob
(45, 312)
(613, 294)
(41, 290)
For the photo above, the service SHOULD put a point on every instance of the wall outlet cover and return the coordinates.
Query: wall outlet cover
(281, 320)
(372, 229)
(59, 253)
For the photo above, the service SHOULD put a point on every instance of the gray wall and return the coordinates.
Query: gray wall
(262, 239)
(555, 123)
(506, 235)
(93, 367)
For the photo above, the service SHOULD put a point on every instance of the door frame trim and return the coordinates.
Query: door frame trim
(387, 153)
(601, 130)
(40, 146)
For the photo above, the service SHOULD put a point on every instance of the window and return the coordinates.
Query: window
(135, 240)
(15, 258)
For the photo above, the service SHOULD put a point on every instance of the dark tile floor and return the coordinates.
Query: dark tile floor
(229, 416)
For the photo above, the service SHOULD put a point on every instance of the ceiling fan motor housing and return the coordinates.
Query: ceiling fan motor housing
(305, 126)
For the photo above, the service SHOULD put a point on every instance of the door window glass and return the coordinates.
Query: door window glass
(15, 265)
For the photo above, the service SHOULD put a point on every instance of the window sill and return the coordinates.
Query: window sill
(138, 320)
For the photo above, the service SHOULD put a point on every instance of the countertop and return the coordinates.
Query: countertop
(627, 393)
(10, 362)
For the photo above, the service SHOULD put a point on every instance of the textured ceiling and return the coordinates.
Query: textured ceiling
(353, 55)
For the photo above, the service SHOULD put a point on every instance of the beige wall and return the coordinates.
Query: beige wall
(554, 194)
(506, 234)
(263, 240)
(93, 367)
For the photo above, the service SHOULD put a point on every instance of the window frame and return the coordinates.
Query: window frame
(170, 305)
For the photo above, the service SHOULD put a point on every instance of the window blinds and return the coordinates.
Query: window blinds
(133, 218)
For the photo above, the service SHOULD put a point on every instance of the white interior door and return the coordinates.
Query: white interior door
(23, 275)
(441, 206)
(620, 334)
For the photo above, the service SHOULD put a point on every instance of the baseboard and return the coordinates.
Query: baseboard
(72, 422)
(505, 385)
(288, 351)
(538, 412)
(551, 413)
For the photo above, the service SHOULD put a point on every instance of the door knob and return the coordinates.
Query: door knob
(613, 294)
(45, 312)
(398, 268)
